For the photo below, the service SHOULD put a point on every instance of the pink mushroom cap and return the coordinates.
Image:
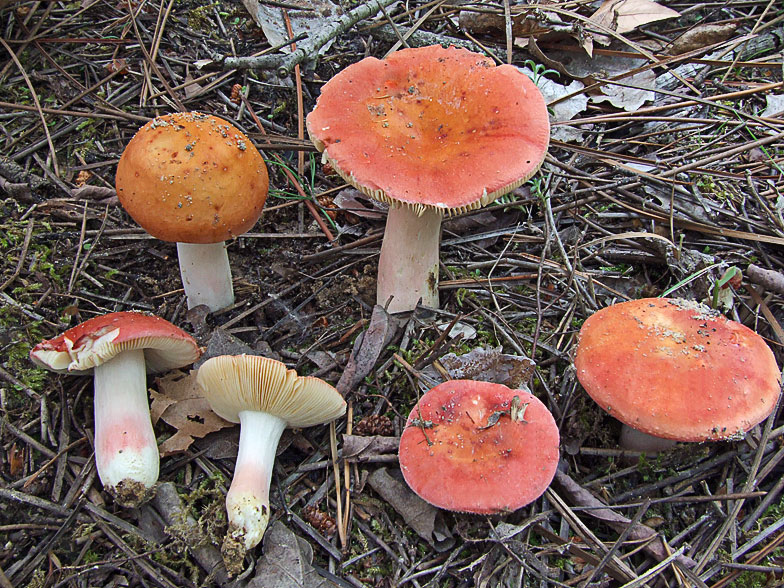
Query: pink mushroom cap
(479, 447)
(432, 128)
(99, 339)
(677, 369)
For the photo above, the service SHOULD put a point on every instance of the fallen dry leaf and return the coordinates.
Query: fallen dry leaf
(774, 105)
(367, 348)
(623, 16)
(701, 36)
(358, 448)
(307, 17)
(287, 562)
(355, 202)
(489, 365)
(524, 24)
(630, 99)
(422, 517)
(180, 404)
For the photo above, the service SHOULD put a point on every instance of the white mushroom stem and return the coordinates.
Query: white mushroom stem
(635, 440)
(126, 453)
(206, 274)
(247, 501)
(408, 266)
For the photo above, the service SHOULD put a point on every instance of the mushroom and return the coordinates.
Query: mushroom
(119, 348)
(265, 397)
(479, 447)
(196, 180)
(676, 370)
(431, 131)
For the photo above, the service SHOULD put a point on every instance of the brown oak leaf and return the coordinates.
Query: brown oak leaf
(180, 403)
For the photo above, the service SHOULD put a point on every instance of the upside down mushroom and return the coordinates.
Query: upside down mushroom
(265, 397)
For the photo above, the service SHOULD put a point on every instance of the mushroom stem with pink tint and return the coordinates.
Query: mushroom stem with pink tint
(265, 397)
(126, 452)
(206, 274)
(431, 131)
(408, 266)
(120, 348)
(247, 501)
(195, 180)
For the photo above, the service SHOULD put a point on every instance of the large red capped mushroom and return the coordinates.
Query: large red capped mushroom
(119, 348)
(676, 369)
(431, 131)
(479, 447)
(196, 180)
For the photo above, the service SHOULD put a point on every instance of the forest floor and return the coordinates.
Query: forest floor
(663, 173)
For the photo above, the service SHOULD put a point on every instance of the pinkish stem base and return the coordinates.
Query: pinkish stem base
(247, 502)
(126, 452)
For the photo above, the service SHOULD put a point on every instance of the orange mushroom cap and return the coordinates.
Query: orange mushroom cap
(469, 446)
(432, 128)
(192, 178)
(677, 369)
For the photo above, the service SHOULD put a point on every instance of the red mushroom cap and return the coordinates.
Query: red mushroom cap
(462, 450)
(432, 127)
(192, 178)
(99, 339)
(677, 369)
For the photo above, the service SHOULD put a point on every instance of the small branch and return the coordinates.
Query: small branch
(308, 50)
(181, 524)
(771, 280)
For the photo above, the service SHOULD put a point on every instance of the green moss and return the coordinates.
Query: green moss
(17, 342)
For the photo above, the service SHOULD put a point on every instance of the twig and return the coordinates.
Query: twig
(771, 280)
(307, 51)
(183, 526)
(22, 256)
(333, 445)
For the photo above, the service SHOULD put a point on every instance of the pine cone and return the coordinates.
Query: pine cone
(377, 424)
(319, 520)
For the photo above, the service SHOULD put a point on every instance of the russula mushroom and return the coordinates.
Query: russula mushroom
(479, 447)
(196, 180)
(431, 131)
(119, 348)
(265, 397)
(675, 369)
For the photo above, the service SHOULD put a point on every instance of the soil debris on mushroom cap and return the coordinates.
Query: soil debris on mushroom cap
(192, 178)
(479, 447)
(677, 369)
(432, 127)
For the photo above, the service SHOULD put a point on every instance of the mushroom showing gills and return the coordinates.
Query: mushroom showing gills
(119, 348)
(431, 131)
(196, 180)
(264, 397)
(677, 370)
(479, 447)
